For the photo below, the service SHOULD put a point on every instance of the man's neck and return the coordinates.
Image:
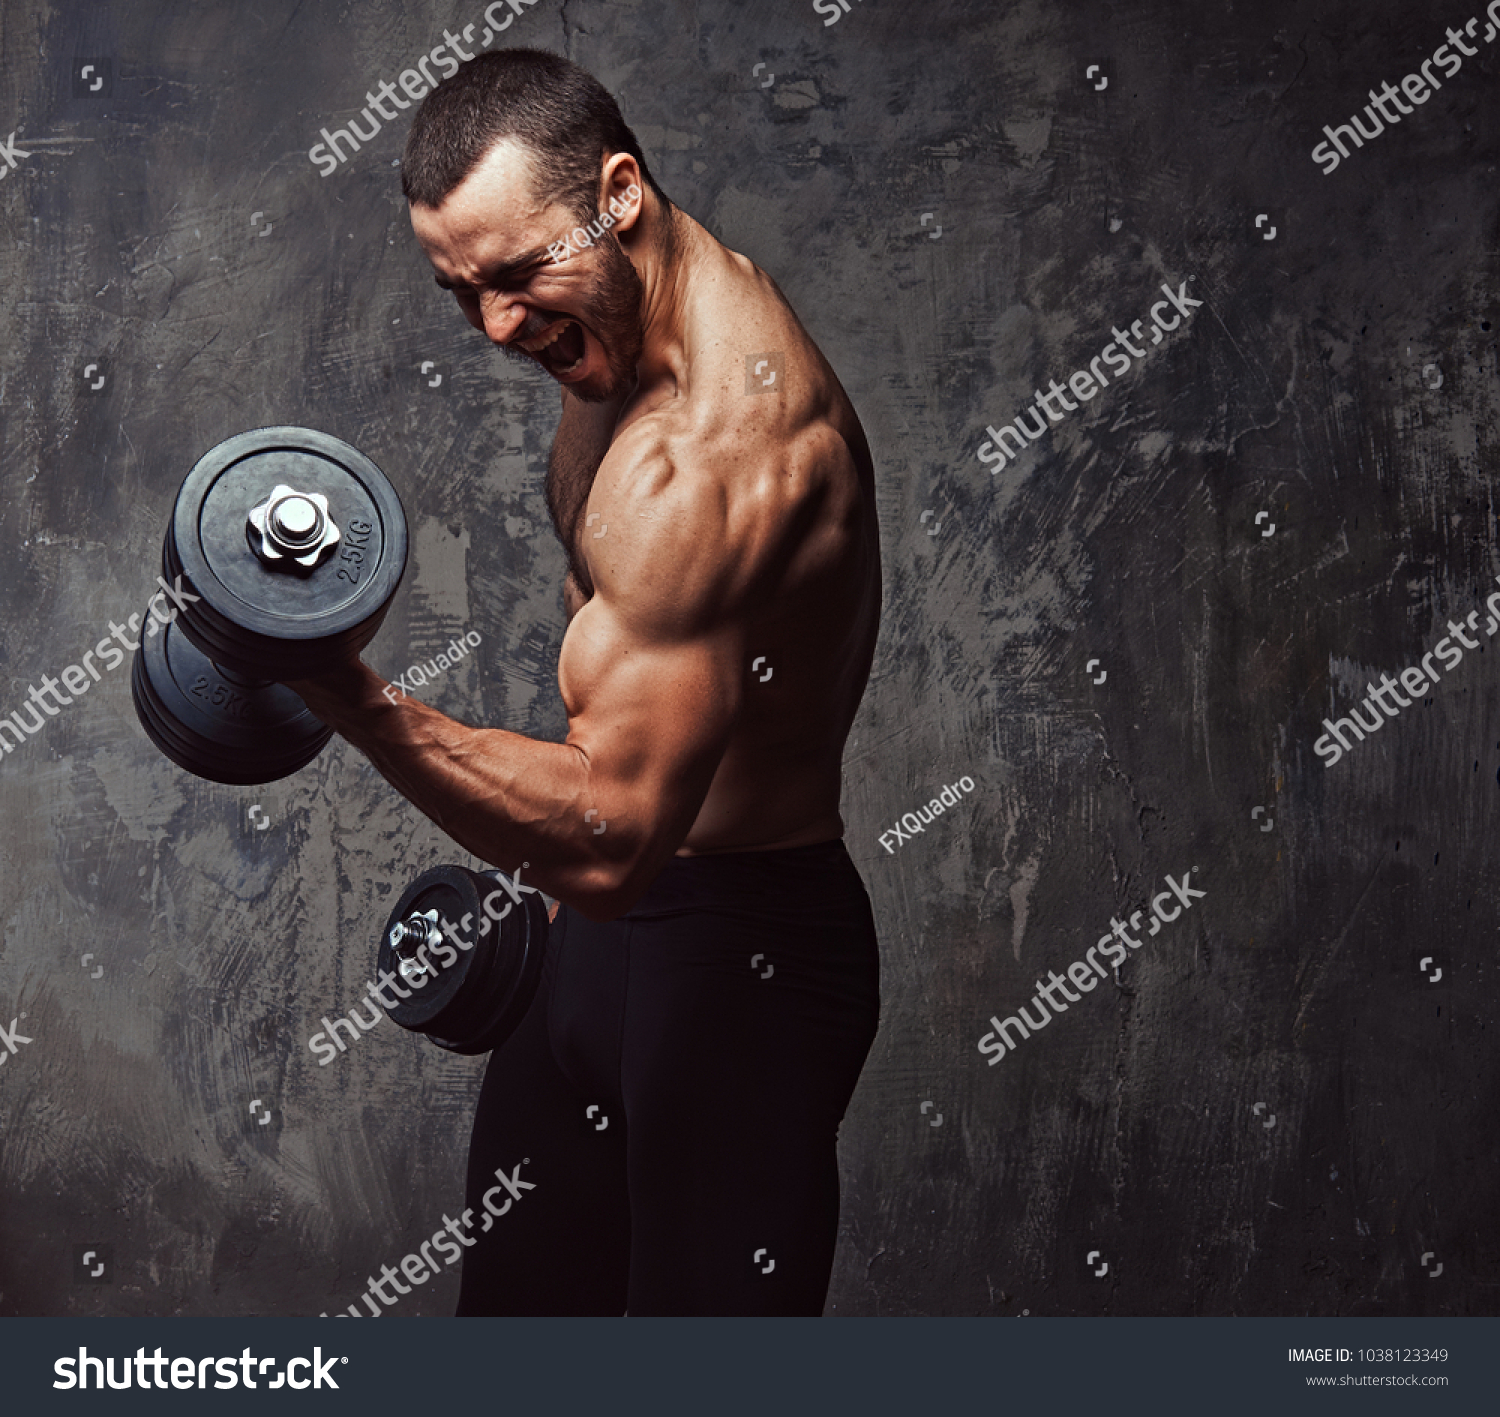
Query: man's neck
(673, 249)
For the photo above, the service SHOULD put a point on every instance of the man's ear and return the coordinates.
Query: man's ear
(622, 190)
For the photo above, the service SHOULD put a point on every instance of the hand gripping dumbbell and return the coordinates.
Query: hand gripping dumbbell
(284, 550)
(466, 949)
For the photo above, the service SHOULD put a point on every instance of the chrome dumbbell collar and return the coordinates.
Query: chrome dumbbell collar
(292, 526)
(407, 940)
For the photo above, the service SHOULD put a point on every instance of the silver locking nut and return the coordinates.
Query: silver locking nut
(292, 526)
(407, 938)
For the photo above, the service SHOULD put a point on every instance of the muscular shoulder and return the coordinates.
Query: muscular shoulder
(704, 516)
(662, 554)
(750, 468)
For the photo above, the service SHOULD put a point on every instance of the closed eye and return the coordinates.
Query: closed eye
(499, 276)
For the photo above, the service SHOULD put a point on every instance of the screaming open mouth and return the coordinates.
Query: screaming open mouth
(561, 350)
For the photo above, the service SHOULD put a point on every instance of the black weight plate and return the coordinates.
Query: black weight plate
(218, 725)
(476, 1002)
(284, 621)
(507, 950)
(453, 892)
(495, 957)
(513, 986)
(474, 1005)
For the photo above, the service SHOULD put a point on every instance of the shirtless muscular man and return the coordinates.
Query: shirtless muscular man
(711, 985)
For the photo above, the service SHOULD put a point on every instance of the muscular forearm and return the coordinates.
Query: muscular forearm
(503, 797)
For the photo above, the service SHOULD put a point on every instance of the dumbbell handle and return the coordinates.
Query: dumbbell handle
(241, 681)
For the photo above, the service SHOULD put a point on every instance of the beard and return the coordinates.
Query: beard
(611, 308)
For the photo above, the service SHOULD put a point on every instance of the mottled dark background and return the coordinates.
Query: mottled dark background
(1340, 377)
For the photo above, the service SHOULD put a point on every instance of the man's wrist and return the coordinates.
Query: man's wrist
(345, 694)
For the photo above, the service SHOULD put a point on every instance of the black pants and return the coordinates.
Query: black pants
(673, 1097)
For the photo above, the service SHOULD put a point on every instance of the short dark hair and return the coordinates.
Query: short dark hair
(562, 113)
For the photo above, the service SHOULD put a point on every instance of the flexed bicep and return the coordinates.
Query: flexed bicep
(651, 718)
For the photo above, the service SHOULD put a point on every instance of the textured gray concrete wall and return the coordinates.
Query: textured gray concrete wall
(1127, 636)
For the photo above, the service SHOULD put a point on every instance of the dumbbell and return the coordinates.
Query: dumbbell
(470, 977)
(284, 550)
